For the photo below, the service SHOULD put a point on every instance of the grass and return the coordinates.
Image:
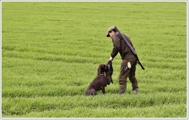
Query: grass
(51, 51)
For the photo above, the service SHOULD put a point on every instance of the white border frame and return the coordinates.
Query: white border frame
(187, 56)
(94, 0)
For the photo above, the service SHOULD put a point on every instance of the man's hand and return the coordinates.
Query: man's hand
(110, 59)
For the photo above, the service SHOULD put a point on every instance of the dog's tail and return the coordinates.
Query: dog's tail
(90, 92)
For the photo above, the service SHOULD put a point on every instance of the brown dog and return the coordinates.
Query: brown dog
(101, 80)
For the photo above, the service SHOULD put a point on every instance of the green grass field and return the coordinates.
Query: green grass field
(51, 51)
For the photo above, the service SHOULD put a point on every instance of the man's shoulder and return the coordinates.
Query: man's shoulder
(117, 35)
(126, 36)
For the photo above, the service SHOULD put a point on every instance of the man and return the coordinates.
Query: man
(128, 65)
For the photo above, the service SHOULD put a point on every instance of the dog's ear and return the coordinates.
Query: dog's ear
(101, 69)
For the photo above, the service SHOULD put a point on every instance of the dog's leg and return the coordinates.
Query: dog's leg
(93, 92)
(103, 90)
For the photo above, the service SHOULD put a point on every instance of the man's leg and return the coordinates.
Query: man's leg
(132, 77)
(123, 77)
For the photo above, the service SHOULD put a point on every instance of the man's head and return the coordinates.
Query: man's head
(111, 31)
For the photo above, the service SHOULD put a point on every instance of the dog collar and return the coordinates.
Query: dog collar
(101, 74)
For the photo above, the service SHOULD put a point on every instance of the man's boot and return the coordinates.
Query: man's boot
(135, 88)
(135, 91)
(122, 89)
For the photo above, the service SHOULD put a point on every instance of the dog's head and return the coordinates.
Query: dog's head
(109, 71)
(101, 69)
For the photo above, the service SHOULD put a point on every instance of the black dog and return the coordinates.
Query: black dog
(101, 80)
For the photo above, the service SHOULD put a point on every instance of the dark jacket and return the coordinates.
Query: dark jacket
(120, 46)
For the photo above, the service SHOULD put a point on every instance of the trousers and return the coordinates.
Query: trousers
(128, 73)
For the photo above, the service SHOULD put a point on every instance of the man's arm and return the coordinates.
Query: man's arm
(116, 47)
